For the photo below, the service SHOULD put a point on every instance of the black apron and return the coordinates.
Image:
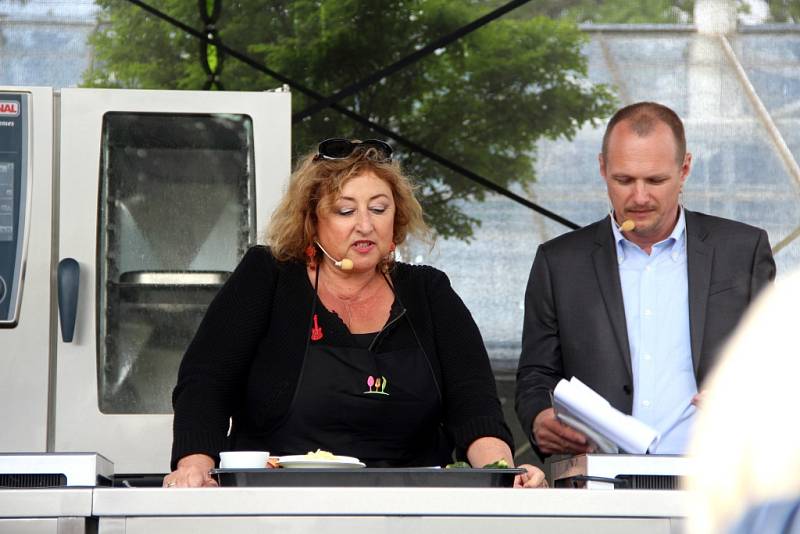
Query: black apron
(383, 408)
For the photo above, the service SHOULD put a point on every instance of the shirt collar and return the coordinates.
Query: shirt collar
(676, 239)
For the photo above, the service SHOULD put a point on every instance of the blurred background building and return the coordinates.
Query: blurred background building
(45, 42)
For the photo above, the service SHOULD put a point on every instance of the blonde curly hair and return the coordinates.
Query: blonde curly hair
(317, 182)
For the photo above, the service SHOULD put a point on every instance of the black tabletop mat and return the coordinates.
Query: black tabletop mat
(378, 477)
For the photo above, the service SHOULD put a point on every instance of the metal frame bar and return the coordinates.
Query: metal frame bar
(772, 129)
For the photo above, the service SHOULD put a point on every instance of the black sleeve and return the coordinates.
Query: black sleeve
(540, 365)
(214, 369)
(472, 408)
(763, 270)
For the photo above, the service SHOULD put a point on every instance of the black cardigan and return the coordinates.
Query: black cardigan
(246, 357)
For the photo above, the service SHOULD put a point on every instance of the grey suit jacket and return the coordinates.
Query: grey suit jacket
(575, 317)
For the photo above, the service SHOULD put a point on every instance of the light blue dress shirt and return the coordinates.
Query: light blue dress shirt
(655, 292)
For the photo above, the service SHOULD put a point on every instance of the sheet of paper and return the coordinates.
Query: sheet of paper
(601, 444)
(587, 407)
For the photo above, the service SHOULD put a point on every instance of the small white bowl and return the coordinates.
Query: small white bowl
(243, 459)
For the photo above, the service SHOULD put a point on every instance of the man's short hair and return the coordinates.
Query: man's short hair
(643, 117)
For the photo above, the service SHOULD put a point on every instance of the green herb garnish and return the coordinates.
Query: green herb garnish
(499, 464)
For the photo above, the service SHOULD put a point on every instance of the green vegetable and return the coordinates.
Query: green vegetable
(499, 464)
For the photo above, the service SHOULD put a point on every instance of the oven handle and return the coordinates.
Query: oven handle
(69, 277)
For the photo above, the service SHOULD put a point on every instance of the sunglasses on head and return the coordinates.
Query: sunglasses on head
(344, 148)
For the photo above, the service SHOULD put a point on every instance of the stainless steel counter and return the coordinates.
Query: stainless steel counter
(384, 510)
(59, 510)
(425, 510)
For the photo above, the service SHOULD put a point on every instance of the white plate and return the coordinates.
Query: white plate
(301, 460)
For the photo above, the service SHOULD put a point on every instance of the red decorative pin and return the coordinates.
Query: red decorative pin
(316, 330)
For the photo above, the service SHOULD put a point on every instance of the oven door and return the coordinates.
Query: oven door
(161, 193)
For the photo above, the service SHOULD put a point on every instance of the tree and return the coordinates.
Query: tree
(484, 101)
(784, 10)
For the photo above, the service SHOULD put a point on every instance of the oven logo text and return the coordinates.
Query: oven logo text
(9, 108)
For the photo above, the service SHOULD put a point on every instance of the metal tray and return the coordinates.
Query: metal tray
(384, 477)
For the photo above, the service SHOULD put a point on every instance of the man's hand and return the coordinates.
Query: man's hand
(554, 437)
(698, 399)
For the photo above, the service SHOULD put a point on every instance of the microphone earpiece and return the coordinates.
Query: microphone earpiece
(627, 225)
(345, 264)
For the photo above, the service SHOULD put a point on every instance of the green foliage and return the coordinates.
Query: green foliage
(635, 11)
(784, 10)
(483, 101)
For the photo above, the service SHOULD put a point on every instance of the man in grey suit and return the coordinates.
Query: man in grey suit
(636, 305)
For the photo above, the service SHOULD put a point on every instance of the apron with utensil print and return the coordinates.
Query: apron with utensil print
(381, 407)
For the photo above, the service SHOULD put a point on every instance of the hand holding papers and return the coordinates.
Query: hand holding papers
(580, 407)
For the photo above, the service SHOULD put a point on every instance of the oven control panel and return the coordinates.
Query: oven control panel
(14, 191)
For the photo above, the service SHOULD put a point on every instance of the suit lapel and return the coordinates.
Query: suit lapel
(699, 255)
(606, 267)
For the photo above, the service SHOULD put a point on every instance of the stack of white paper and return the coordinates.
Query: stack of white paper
(580, 407)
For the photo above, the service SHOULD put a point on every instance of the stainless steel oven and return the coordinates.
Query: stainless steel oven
(159, 193)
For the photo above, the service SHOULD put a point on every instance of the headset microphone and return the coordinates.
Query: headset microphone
(627, 225)
(345, 264)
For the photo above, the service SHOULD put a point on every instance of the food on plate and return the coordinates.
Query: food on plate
(319, 454)
(319, 458)
(458, 465)
(273, 462)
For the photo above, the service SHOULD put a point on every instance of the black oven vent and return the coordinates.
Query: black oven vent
(652, 482)
(32, 480)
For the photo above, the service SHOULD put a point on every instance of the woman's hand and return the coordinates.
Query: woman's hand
(192, 472)
(486, 450)
(532, 478)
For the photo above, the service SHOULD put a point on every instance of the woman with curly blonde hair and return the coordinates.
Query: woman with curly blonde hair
(293, 225)
(322, 341)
